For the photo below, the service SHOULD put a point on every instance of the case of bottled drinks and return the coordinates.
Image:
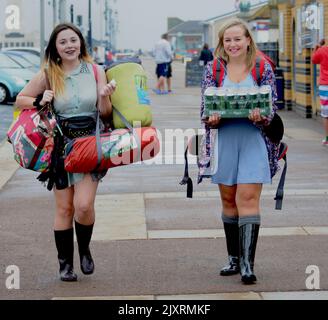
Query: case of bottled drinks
(237, 103)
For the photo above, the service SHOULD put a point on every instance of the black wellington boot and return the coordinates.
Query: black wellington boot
(248, 234)
(232, 238)
(83, 237)
(65, 247)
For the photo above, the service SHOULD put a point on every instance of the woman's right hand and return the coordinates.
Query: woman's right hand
(213, 120)
(48, 95)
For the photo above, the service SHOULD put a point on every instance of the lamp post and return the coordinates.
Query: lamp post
(41, 30)
(90, 29)
(72, 13)
(54, 12)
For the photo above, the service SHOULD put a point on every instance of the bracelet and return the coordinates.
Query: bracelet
(37, 101)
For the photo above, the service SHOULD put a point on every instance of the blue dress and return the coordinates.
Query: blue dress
(240, 153)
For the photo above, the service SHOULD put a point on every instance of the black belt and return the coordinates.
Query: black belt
(78, 126)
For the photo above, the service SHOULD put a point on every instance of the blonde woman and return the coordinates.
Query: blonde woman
(76, 96)
(246, 158)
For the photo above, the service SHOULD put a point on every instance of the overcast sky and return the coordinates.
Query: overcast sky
(141, 22)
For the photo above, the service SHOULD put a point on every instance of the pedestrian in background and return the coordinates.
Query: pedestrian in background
(244, 155)
(109, 57)
(76, 97)
(205, 55)
(169, 78)
(320, 56)
(163, 57)
(96, 56)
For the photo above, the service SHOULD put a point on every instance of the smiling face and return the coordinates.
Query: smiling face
(68, 45)
(235, 42)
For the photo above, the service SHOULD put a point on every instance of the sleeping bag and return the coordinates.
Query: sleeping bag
(130, 97)
(118, 147)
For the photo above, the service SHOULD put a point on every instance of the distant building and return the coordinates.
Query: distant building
(173, 22)
(19, 24)
(261, 18)
(20, 20)
(186, 38)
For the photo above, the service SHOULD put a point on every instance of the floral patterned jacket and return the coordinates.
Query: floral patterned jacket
(207, 143)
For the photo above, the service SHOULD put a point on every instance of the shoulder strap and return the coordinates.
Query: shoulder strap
(218, 71)
(186, 179)
(258, 69)
(280, 190)
(95, 71)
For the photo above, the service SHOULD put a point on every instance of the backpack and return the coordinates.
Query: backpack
(257, 71)
(274, 131)
(130, 97)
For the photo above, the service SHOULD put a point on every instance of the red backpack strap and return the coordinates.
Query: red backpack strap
(218, 71)
(214, 68)
(258, 69)
(95, 71)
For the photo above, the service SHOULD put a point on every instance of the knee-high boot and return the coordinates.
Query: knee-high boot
(248, 234)
(83, 237)
(231, 230)
(65, 247)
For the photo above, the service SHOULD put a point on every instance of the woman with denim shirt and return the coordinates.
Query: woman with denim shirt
(78, 91)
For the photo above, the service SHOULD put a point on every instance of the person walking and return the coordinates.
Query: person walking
(163, 57)
(320, 56)
(77, 97)
(169, 78)
(96, 56)
(205, 55)
(245, 157)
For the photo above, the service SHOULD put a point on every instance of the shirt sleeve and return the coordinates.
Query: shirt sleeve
(316, 57)
(268, 78)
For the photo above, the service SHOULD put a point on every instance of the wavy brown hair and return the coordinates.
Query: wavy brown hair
(251, 53)
(52, 62)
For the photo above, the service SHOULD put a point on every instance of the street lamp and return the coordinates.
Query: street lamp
(41, 30)
(90, 29)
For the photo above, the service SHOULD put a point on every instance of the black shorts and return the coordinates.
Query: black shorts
(162, 69)
(169, 71)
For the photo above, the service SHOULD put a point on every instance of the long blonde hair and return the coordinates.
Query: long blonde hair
(52, 63)
(251, 52)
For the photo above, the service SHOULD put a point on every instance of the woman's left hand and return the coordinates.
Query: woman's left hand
(255, 116)
(107, 90)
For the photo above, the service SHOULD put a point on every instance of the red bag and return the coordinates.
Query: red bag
(31, 136)
(118, 147)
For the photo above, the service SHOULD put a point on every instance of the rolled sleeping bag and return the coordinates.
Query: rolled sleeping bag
(118, 148)
(131, 97)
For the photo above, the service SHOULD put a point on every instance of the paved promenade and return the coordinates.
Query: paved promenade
(151, 242)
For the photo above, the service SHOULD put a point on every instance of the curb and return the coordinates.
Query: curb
(8, 165)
